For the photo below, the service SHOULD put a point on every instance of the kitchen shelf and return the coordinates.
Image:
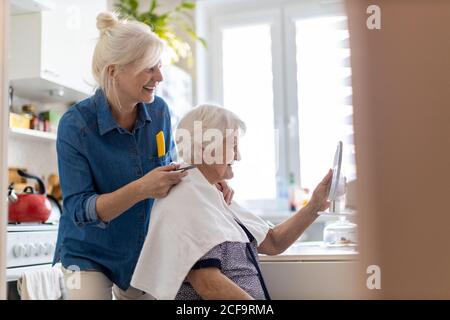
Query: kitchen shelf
(32, 134)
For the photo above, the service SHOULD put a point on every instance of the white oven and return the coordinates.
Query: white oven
(28, 247)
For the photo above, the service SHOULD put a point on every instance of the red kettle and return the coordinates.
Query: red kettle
(28, 206)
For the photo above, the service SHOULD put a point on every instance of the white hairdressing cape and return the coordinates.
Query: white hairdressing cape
(184, 226)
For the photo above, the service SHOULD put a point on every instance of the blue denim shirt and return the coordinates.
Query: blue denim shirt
(96, 156)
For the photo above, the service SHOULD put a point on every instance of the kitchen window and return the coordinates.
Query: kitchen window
(325, 113)
(252, 99)
(284, 67)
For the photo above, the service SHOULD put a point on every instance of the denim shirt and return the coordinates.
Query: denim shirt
(96, 156)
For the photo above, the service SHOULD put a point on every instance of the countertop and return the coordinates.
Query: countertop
(312, 251)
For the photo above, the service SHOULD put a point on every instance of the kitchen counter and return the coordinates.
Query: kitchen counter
(313, 251)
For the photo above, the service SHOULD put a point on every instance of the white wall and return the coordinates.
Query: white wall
(38, 157)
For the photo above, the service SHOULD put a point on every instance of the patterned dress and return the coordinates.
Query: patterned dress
(234, 261)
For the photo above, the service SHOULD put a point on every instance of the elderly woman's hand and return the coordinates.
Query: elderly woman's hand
(228, 193)
(320, 195)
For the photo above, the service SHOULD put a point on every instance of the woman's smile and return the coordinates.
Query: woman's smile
(148, 93)
(150, 89)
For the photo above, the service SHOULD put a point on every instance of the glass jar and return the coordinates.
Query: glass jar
(342, 233)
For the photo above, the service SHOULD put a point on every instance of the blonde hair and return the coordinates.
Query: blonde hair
(122, 42)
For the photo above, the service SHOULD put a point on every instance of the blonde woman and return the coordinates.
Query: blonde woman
(109, 164)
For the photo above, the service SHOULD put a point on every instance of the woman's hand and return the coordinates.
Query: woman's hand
(155, 184)
(228, 193)
(319, 197)
(286, 233)
(158, 182)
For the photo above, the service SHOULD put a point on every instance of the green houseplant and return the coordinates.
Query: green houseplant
(170, 26)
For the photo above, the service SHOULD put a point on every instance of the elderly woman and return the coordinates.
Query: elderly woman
(198, 247)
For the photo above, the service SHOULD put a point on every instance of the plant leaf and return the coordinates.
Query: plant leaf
(127, 7)
(188, 5)
(153, 5)
(194, 35)
(185, 5)
(133, 5)
(163, 24)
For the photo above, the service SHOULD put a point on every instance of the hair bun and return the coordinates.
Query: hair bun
(106, 20)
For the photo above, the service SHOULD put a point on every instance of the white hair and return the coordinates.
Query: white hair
(122, 42)
(204, 122)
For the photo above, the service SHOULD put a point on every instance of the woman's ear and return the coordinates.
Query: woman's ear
(111, 70)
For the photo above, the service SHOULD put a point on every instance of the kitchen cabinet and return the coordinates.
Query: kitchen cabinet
(310, 271)
(27, 6)
(51, 50)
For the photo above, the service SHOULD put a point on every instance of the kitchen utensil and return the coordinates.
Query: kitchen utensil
(28, 206)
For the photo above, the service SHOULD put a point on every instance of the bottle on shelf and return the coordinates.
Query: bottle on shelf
(29, 111)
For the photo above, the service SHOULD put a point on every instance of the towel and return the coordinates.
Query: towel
(42, 284)
(184, 226)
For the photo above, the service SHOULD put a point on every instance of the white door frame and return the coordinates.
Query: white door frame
(4, 124)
